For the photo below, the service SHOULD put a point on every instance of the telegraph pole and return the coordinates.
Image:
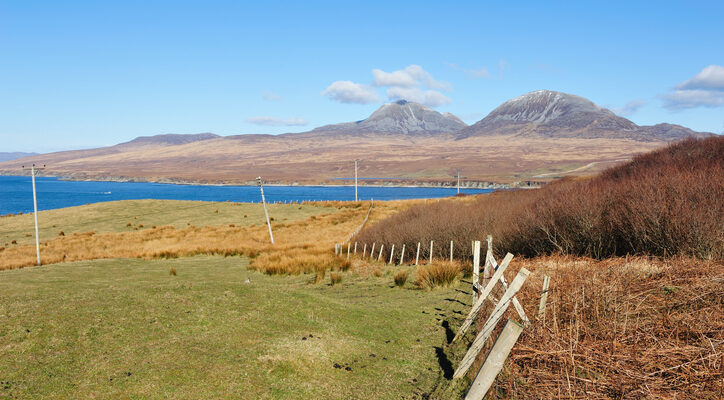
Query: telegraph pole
(266, 213)
(355, 180)
(32, 169)
(458, 181)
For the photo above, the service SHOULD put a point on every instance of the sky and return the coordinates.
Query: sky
(81, 74)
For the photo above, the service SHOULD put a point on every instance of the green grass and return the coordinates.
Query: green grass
(126, 328)
(115, 216)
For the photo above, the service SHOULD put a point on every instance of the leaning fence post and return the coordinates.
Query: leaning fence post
(348, 246)
(431, 251)
(355, 248)
(372, 251)
(495, 360)
(451, 251)
(392, 252)
(382, 247)
(402, 254)
(476, 270)
(543, 298)
(417, 257)
(364, 250)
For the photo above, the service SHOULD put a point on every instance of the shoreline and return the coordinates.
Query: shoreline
(477, 185)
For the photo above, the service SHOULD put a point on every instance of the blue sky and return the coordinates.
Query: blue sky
(85, 74)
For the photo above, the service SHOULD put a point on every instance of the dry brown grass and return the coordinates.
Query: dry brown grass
(401, 277)
(621, 328)
(439, 273)
(335, 278)
(301, 247)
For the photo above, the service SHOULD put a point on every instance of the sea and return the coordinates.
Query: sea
(16, 193)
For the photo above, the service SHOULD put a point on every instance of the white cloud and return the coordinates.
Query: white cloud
(271, 96)
(705, 89)
(430, 98)
(711, 77)
(350, 92)
(274, 121)
(411, 76)
(629, 108)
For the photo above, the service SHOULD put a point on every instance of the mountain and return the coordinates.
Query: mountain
(537, 136)
(170, 139)
(4, 156)
(401, 117)
(553, 114)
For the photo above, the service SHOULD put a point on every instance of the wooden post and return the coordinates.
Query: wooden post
(488, 268)
(476, 270)
(372, 251)
(451, 251)
(348, 246)
(481, 298)
(355, 248)
(382, 247)
(335, 249)
(492, 320)
(417, 257)
(431, 251)
(392, 252)
(516, 303)
(543, 298)
(364, 250)
(402, 254)
(495, 360)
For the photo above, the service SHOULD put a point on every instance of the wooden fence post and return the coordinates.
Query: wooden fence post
(364, 250)
(382, 247)
(392, 252)
(417, 257)
(495, 360)
(348, 247)
(482, 296)
(451, 251)
(372, 251)
(488, 268)
(492, 320)
(355, 248)
(543, 298)
(476, 270)
(335, 249)
(402, 254)
(431, 251)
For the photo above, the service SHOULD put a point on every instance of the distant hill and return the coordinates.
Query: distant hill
(537, 136)
(553, 114)
(401, 117)
(5, 156)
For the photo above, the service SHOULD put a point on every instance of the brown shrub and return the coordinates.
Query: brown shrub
(172, 271)
(663, 203)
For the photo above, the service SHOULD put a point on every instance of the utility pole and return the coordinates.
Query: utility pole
(35, 207)
(258, 180)
(458, 181)
(355, 180)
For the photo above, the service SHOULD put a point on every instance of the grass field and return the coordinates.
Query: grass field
(126, 328)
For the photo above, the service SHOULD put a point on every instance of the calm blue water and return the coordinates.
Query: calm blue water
(16, 193)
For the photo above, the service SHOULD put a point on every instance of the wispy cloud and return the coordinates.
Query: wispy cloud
(411, 76)
(274, 121)
(350, 92)
(628, 108)
(271, 96)
(470, 73)
(705, 89)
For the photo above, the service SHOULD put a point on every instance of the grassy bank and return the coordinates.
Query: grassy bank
(127, 328)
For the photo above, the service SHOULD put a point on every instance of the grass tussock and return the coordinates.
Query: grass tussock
(401, 277)
(335, 278)
(438, 274)
(172, 271)
(664, 203)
